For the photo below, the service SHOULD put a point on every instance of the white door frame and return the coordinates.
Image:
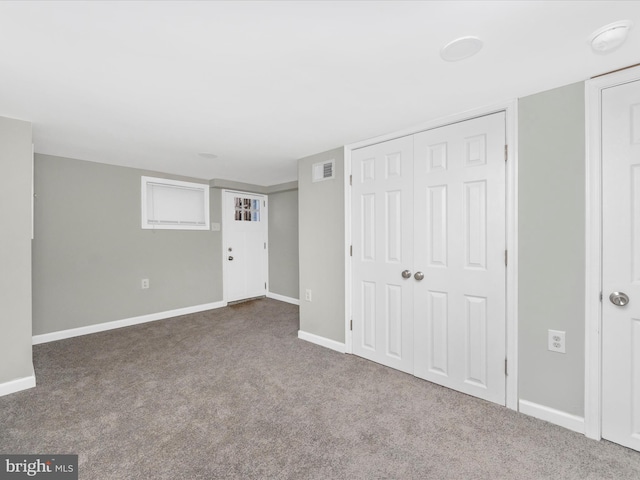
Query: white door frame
(511, 110)
(264, 215)
(593, 246)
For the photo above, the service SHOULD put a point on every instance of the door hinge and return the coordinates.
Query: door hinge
(600, 297)
(264, 203)
(265, 245)
(351, 250)
(351, 324)
(506, 258)
(350, 179)
(505, 367)
(506, 152)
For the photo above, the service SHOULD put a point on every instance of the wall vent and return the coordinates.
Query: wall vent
(323, 171)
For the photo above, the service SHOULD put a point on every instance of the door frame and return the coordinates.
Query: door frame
(593, 245)
(511, 203)
(264, 214)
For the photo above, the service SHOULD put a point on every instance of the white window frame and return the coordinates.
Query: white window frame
(165, 182)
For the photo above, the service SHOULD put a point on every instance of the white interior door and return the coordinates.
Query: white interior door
(244, 245)
(431, 206)
(382, 204)
(621, 264)
(459, 247)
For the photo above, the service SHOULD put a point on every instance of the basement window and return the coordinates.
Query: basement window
(174, 205)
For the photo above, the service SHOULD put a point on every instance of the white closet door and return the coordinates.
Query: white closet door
(459, 246)
(382, 205)
(621, 264)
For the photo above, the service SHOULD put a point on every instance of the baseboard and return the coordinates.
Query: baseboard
(322, 341)
(127, 322)
(564, 419)
(282, 298)
(17, 385)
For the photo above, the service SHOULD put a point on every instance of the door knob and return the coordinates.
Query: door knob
(230, 258)
(618, 298)
(419, 276)
(406, 274)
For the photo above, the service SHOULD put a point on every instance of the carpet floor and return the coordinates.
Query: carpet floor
(233, 393)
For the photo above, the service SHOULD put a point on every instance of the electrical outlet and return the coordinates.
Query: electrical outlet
(145, 283)
(557, 341)
(307, 295)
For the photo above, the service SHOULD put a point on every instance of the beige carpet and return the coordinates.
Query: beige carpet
(233, 393)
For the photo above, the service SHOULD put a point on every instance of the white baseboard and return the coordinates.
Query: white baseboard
(282, 298)
(322, 341)
(558, 417)
(127, 322)
(17, 385)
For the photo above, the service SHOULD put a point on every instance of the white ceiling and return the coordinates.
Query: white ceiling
(262, 84)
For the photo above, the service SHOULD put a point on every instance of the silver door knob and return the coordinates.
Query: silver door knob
(406, 274)
(618, 298)
(419, 276)
(230, 258)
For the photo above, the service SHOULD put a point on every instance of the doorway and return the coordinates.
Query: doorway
(428, 266)
(612, 396)
(244, 245)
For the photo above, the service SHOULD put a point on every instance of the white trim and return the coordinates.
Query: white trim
(18, 385)
(511, 226)
(511, 112)
(348, 341)
(127, 322)
(593, 245)
(322, 341)
(557, 417)
(282, 298)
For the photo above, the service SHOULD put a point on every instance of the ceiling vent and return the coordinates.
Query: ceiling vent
(323, 171)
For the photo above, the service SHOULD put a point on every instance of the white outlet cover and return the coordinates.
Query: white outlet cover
(215, 227)
(557, 342)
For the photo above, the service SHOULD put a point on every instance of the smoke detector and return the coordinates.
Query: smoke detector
(461, 48)
(610, 37)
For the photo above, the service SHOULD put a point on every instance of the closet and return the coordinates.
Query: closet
(428, 262)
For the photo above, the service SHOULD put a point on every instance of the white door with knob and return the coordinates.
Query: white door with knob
(382, 203)
(459, 245)
(244, 245)
(621, 264)
(428, 262)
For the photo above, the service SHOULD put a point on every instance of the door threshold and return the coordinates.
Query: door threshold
(244, 300)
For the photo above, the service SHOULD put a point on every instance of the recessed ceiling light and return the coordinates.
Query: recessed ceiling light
(208, 156)
(610, 37)
(461, 48)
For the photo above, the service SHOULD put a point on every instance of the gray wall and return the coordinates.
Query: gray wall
(551, 250)
(551, 246)
(283, 243)
(90, 253)
(15, 249)
(322, 244)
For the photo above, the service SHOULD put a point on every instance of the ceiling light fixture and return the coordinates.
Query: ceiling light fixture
(208, 156)
(610, 37)
(461, 48)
